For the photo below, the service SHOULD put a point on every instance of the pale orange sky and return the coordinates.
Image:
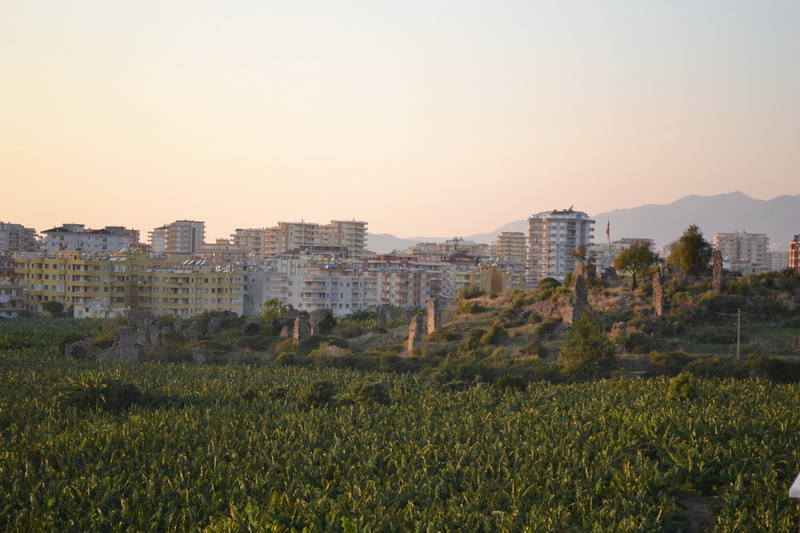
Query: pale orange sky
(436, 119)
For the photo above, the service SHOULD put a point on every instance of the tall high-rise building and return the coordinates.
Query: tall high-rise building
(743, 252)
(179, 237)
(552, 237)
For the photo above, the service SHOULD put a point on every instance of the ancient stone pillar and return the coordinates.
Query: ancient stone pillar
(434, 316)
(716, 265)
(416, 332)
(301, 331)
(658, 293)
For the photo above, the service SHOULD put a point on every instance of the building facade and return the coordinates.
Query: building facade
(552, 237)
(17, 238)
(76, 237)
(509, 246)
(743, 252)
(179, 237)
(113, 284)
(794, 253)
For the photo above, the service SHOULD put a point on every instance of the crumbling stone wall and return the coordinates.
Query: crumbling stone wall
(126, 348)
(434, 316)
(578, 303)
(658, 292)
(302, 331)
(416, 332)
(716, 265)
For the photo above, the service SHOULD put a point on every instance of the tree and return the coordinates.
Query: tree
(691, 253)
(635, 260)
(272, 309)
(54, 308)
(588, 350)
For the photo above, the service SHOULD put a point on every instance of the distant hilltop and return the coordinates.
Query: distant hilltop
(778, 218)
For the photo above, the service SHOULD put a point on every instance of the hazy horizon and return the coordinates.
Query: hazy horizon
(451, 118)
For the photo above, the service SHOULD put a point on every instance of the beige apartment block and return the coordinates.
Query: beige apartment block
(179, 237)
(510, 245)
(118, 283)
(223, 253)
(794, 253)
(743, 252)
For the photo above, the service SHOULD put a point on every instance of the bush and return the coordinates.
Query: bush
(534, 348)
(468, 293)
(588, 351)
(99, 394)
(668, 363)
(510, 382)
(317, 394)
(374, 393)
(495, 335)
(682, 387)
(468, 307)
(441, 335)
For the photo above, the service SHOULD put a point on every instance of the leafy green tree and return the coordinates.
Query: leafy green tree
(635, 260)
(691, 253)
(588, 351)
(271, 310)
(54, 308)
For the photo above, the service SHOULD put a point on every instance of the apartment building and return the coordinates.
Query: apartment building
(604, 254)
(510, 245)
(15, 237)
(117, 283)
(254, 240)
(794, 253)
(743, 252)
(179, 237)
(76, 237)
(499, 277)
(778, 260)
(350, 234)
(319, 278)
(223, 253)
(288, 236)
(12, 298)
(552, 237)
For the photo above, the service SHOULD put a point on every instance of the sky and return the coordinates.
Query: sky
(423, 118)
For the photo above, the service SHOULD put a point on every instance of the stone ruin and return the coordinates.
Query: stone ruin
(127, 348)
(382, 314)
(588, 271)
(301, 332)
(434, 316)
(578, 302)
(658, 291)
(716, 266)
(319, 315)
(416, 332)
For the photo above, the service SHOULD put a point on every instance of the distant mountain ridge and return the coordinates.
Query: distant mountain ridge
(778, 218)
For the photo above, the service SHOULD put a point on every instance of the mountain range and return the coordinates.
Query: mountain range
(778, 218)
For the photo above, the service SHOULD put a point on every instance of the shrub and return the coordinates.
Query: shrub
(468, 293)
(317, 394)
(373, 393)
(495, 335)
(99, 394)
(588, 351)
(441, 335)
(668, 363)
(682, 387)
(510, 382)
(468, 307)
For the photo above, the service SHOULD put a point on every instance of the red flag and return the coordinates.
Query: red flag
(608, 230)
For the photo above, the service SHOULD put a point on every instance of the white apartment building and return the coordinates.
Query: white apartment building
(743, 252)
(77, 237)
(179, 237)
(15, 237)
(552, 237)
(778, 260)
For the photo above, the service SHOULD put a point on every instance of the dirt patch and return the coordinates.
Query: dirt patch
(697, 514)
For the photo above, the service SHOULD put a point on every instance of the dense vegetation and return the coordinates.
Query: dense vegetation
(232, 448)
